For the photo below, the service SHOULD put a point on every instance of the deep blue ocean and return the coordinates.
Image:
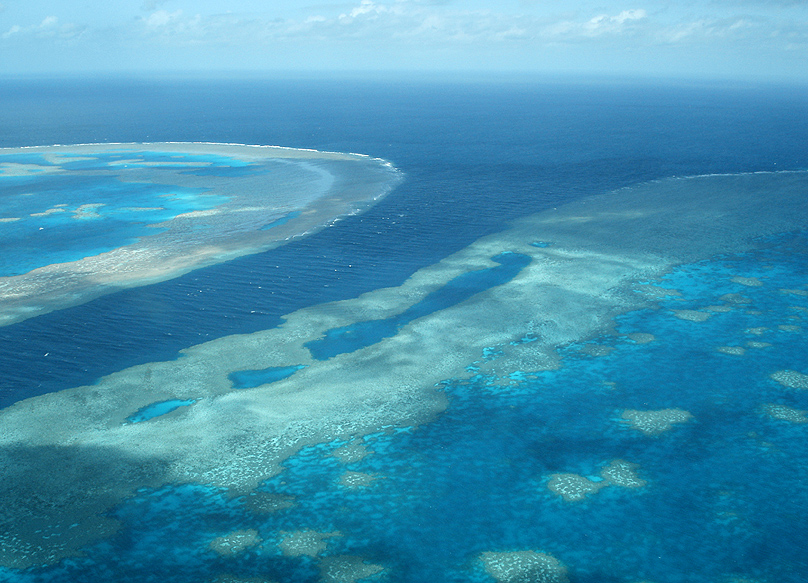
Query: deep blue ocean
(475, 156)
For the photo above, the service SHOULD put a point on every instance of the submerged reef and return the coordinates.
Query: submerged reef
(236, 579)
(786, 413)
(574, 488)
(655, 422)
(211, 203)
(267, 503)
(791, 379)
(305, 542)
(66, 463)
(692, 315)
(524, 567)
(352, 452)
(347, 569)
(235, 542)
(353, 480)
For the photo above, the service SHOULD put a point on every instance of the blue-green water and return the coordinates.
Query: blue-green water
(249, 379)
(55, 227)
(724, 494)
(361, 334)
(724, 498)
(158, 409)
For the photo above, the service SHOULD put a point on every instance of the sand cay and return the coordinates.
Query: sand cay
(70, 456)
(291, 191)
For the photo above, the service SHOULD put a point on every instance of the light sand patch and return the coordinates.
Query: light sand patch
(732, 350)
(51, 211)
(789, 328)
(16, 169)
(235, 542)
(267, 502)
(524, 567)
(55, 447)
(305, 542)
(352, 452)
(755, 344)
(227, 578)
(573, 487)
(622, 473)
(795, 292)
(692, 315)
(658, 292)
(791, 379)
(87, 212)
(757, 330)
(354, 480)
(198, 214)
(655, 422)
(596, 349)
(735, 299)
(747, 281)
(309, 182)
(641, 337)
(347, 569)
(9, 219)
(785, 413)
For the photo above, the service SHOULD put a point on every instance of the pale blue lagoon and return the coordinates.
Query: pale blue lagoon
(523, 331)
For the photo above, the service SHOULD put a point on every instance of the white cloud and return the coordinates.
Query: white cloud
(602, 24)
(726, 31)
(12, 31)
(162, 18)
(48, 27)
(627, 15)
(518, 31)
(49, 22)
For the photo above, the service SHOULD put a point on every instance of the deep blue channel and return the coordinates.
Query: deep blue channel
(475, 157)
(362, 334)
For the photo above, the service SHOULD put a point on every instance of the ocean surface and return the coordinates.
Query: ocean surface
(711, 488)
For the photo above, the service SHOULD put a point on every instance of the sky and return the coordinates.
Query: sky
(765, 39)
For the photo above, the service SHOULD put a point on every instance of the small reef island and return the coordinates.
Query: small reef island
(220, 426)
(81, 221)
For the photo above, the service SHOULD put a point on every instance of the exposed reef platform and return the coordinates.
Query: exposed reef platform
(85, 220)
(598, 249)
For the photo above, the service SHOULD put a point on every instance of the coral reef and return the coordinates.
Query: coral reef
(305, 542)
(524, 567)
(347, 569)
(235, 542)
(655, 422)
(791, 379)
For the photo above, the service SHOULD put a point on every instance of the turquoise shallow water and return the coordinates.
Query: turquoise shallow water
(366, 333)
(54, 226)
(723, 497)
(158, 409)
(249, 379)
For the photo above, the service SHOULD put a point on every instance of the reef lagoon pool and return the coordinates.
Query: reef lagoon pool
(79, 221)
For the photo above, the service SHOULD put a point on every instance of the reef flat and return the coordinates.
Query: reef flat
(81, 221)
(71, 456)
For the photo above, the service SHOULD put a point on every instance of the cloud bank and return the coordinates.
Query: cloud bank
(430, 34)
